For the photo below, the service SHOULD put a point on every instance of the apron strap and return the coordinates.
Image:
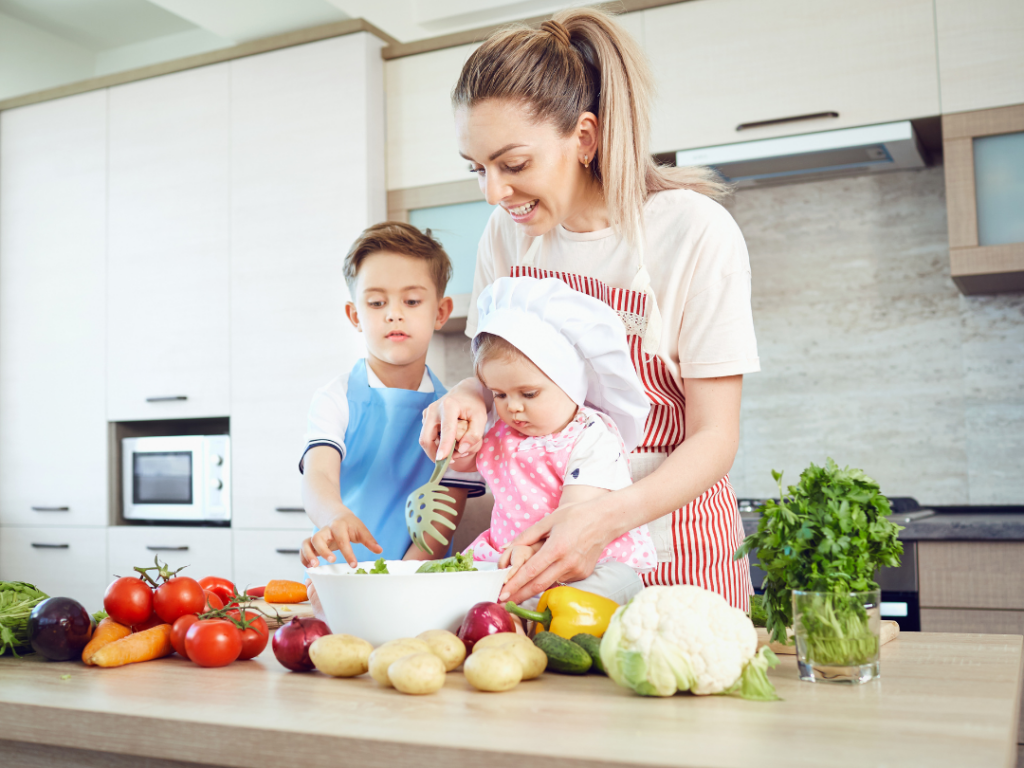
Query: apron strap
(530, 257)
(642, 284)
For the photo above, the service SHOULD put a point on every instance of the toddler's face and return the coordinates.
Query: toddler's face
(525, 398)
(396, 307)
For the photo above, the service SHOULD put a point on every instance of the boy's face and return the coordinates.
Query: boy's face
(525, 398)
(396, 306)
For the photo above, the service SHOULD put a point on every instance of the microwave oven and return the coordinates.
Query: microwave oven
(184, 478)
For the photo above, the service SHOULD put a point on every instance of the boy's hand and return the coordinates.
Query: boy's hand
(346, 529)
(314, 600)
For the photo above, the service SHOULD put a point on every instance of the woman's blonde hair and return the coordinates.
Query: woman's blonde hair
(583, 61)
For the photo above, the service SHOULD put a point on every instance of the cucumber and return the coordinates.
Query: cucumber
(563, 655)
(591, 645)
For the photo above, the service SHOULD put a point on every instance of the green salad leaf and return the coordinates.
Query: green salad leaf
(461, 561)
(17, 599)
(378, 567)
(830, 533)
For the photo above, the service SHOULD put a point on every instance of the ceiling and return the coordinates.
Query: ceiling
(46, 43)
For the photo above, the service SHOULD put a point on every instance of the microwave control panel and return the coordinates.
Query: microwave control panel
(218, 478)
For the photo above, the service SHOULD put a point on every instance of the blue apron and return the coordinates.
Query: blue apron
(383, 461)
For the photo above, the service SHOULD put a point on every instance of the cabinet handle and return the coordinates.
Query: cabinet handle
(51, 509)
(781, 120)
(166, 399)
(300, 510)
(287, 551)
(167, 549)
(37, 545)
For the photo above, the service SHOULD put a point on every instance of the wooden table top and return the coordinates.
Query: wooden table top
(943, 700)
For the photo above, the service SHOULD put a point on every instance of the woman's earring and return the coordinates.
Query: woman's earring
(586, 161)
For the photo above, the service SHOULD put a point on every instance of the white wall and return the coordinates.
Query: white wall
(32, 60)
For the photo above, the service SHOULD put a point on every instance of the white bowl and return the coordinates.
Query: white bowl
(401, 603)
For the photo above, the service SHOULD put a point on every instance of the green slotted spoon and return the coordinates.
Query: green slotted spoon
(424, 506)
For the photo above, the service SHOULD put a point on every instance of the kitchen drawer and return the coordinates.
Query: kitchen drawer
(65, 562)
(206, 551)
(269, 554)
(971, 574)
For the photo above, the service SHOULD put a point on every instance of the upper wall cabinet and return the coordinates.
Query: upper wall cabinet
(307, 127)
(53, 432)
(168, 283)
(981, 53)
(722, 64)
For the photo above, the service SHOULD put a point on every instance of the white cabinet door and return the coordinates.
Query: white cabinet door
(720, 64)
(264, 555)
(53, 431)
(206, 551)
(981, 53)
(307, 178)
(63, 562)
(168, 282)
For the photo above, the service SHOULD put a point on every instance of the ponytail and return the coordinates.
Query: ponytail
(583, 61)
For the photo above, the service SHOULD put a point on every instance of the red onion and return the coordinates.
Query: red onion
(292, 641)
(482, 620)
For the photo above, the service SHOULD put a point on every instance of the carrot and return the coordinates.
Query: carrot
(282, 591)
(153, 643)
(107, 632)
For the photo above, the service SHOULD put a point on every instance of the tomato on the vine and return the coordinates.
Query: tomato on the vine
(178, 596)
(128, 600)
(213, 642)
(179, 630)
(152, 621)
(213, 601)
(254, 637)
(221, 587)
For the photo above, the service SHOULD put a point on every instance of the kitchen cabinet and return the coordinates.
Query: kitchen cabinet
(65, 562)
(981, 53)
(206, 551)
(168, 247)
(53, 438)
(726, 63)
(307, 177)
(264, 555)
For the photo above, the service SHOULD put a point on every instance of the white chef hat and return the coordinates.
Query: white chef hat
(578, 341)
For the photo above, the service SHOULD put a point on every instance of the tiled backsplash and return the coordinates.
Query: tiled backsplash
(869, 354)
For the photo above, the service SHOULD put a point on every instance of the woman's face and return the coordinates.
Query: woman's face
(528, 168)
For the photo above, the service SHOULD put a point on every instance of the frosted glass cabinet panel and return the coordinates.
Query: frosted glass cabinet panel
(999, 188)
(459, 228)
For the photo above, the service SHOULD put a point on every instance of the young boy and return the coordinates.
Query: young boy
(362, 456)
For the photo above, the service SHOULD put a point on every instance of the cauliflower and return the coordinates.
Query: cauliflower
(684, 638)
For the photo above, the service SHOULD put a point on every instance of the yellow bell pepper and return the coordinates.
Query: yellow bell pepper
(567, 611)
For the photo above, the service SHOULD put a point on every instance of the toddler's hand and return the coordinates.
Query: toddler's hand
(344, 530)
(513, 558)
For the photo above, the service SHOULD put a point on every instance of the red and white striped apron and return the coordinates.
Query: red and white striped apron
(695, 543)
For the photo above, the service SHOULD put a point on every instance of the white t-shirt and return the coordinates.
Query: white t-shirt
(699, 269)
(328, 421)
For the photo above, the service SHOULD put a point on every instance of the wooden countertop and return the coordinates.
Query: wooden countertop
(943, 700)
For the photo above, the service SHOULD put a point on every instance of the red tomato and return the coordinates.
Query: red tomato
(177, 597)
(213, 642)
(179, 630)
(128, 600)
(254, 637)
(213, 601)
(223, 588)
(152, 621)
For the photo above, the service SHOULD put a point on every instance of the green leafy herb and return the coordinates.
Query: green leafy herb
(378, 567)
(17, 599)
(830, 534)
(758, 614)
(457, 562)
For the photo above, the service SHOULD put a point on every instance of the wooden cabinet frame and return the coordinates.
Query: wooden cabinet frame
(977, 268)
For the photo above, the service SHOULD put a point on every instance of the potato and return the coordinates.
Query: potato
(493, 669)
(533, 660)
(417, 673)
(446, 646)
(390, 652)
(341, 655)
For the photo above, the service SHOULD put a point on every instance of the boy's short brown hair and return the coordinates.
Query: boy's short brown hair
(405, 240)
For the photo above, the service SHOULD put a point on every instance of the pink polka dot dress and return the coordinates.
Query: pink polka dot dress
(526, 475)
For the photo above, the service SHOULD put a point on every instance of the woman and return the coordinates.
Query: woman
(555, 122)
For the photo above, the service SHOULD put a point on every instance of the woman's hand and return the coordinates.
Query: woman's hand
(465, 401)
(344, 531)
(574, 542)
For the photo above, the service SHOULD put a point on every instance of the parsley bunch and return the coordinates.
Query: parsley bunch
(830, 534)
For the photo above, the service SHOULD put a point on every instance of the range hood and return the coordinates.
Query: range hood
(844, 152)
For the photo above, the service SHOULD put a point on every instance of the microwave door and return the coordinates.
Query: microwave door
(162, 479)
